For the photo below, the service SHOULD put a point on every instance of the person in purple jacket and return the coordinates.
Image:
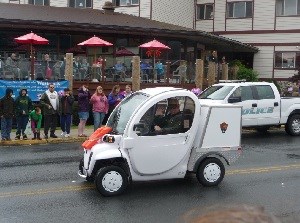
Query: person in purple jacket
(83, 108)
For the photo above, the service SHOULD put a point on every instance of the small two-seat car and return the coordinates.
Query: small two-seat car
(132, 148)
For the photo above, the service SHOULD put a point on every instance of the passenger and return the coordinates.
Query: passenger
(172, 122)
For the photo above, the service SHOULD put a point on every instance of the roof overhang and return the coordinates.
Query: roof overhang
(89, 21)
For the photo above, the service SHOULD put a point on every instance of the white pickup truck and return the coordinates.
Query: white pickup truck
(262, 104)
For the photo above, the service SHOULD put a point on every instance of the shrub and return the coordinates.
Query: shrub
(247, 74)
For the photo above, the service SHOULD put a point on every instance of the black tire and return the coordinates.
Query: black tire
(292, 127)
(118, 180)
(262, 129)
(210, 172)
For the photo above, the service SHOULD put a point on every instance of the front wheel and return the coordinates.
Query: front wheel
(292, 127)
(111, 180)
(210, 172)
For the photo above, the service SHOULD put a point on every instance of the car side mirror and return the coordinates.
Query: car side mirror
(138, 126)
(234, 99)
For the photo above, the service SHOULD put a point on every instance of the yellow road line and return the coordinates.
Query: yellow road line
(86, 187)
(263, 169)
(45, 191)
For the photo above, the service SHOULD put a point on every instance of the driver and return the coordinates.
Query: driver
(172, 122)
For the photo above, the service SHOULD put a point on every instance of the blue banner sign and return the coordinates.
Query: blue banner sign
(34, 88)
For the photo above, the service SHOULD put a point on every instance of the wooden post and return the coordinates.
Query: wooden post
(69, 69)
(224, 71)
(199, 73)
(211, 76)
(103, 70)
(235, 70)
(167, 76)
(136, 70)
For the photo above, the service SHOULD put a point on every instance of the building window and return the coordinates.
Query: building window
(39, 2)
(287, 7)
(205, 11)
(239, 9)
(80, 3)
(125, 2)
(14, 1)
(287, 59)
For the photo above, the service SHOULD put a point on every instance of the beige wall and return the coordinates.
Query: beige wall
(177, 12)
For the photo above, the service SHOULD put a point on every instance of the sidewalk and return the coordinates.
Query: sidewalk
(73, 138)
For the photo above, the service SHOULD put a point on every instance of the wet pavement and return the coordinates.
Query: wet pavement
(39, 183)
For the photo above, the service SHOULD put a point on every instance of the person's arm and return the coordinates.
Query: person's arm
(43, 101)
(71, 99)
(111, 100)
(1, 108)
(93, 99)
(106, 106)
(30, 106)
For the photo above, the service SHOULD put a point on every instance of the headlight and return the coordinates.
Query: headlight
(109, 139)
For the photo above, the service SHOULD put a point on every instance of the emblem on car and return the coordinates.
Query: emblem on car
(223, 127)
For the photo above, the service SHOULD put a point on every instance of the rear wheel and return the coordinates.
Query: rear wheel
(210, 172)
(292, 127)
(111, 180)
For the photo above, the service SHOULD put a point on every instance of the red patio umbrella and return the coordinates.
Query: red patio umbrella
(32, 39)
(154, 48)
(124, 52)
(76, 50)
(95, 42)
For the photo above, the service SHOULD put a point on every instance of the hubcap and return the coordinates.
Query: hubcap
(112, 181)
(212, 172)
(296, 126)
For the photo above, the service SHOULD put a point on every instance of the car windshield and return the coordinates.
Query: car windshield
(121, 115)
(218, 92)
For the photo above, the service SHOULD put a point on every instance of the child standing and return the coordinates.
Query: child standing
(36, 121)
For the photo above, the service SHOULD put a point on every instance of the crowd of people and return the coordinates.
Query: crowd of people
(54, 106)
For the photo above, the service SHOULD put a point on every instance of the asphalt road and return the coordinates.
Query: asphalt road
(40, 184)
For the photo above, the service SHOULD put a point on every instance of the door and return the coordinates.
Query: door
(268, 107)
(249, 103)
(163, 136)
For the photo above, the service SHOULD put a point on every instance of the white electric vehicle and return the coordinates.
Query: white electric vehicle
(204, 140)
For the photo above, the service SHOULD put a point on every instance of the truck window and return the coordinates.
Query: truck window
(245, 92)
(171, 116)
(216, 92)
(265, 92)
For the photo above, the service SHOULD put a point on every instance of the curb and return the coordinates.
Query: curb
(30, 142)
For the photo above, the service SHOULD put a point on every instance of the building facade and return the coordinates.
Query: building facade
(273, 26)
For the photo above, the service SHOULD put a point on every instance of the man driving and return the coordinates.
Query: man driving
(172, 121)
